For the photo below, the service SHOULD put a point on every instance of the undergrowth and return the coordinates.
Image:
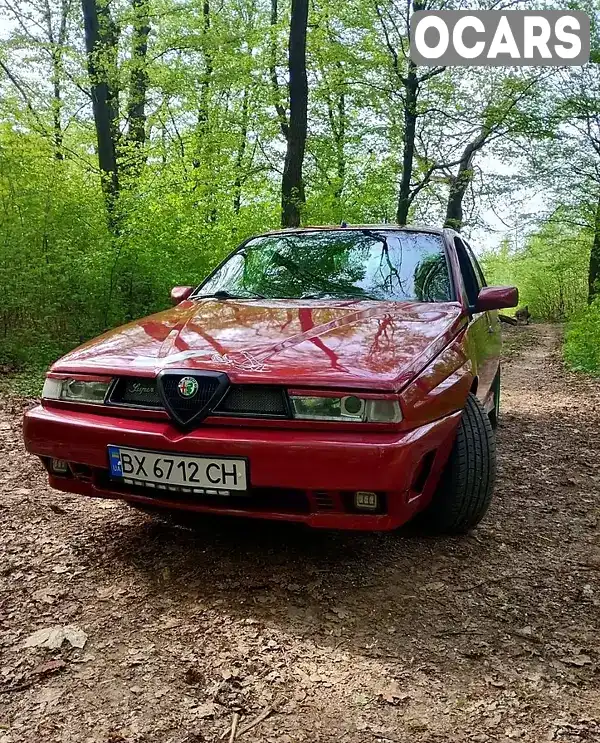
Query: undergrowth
(582, 340)
(26, 382)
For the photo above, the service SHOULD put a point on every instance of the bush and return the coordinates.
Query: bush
(65, 278)
(582, 341)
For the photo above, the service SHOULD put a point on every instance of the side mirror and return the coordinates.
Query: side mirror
(180, 293)
(496, 298)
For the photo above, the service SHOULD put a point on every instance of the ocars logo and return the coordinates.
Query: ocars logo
(494, 37)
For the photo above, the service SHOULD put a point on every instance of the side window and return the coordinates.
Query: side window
(470, 278)
(476, 267)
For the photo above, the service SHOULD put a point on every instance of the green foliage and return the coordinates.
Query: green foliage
(551, 273)
(582, 340)
(205, 172)
(550, 270)
(25, 383)
(55, 251)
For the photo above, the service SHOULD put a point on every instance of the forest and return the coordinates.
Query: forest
(141, 140)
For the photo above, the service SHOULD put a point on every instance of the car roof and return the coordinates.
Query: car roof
(340, 228)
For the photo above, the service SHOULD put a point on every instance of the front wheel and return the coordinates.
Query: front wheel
(465, 489)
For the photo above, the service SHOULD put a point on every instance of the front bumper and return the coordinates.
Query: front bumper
(295, 475)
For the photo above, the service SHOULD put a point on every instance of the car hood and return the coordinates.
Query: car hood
(351, 344)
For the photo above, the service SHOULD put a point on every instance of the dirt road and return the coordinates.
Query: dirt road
(345, 638)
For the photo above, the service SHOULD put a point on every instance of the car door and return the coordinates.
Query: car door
(483, 334)
(493, 345)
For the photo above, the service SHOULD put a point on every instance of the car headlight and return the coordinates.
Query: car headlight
(349, 408)
(76, 389)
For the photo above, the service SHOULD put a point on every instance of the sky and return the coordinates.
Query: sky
(506, 221)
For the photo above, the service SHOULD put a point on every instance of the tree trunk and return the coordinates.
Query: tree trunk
(340, 144)
(594, 268)
(458, 188)
(411, 88)
(292, 187)
(100, 44)
(279, 107)
(57, 107)
(138, 80)
(208, 70)
(239, 160)
(57, 44)
(338, 129)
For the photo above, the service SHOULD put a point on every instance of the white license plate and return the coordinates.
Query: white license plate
(166, 471)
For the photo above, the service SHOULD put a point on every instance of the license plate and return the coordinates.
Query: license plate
(166, 471)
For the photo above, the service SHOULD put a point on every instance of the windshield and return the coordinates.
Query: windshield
(345, 264)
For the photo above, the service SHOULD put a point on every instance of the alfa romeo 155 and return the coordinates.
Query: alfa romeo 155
(343, 377)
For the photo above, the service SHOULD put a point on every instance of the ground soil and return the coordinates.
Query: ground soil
(331, 637)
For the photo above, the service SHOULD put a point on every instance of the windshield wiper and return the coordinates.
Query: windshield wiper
(223, 294)
(340, 295)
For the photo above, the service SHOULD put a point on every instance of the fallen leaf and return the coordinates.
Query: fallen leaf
(206, 710)
(57, 509)
(393, 694)
(47, 595)
(49, 667)
(50, 696)
(495, 720)
(434, 586)
(493, 682)
(53, 637)
(340, 612)
(171, 623)
(577, 660)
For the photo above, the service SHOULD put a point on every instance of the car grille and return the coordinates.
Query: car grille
(243, 400)
(254, 400)
(207, 388)
(139, 392)
(280, 500)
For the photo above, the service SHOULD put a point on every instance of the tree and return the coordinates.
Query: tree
(501, 116)
(411, 83)
(292, 185)
(138, 80)
(43, 27)
(101, 38)
(578, 102)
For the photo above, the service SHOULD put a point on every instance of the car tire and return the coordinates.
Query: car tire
(465, 489)
(495, 412)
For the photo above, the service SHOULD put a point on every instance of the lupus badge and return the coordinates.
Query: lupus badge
(247, 362)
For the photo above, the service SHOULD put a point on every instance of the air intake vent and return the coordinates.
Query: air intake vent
(254, 400)
(324, 500)
(190, 396)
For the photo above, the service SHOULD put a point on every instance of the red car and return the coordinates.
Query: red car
(341, 377)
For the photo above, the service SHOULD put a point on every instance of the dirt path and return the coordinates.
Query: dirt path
(348, 638)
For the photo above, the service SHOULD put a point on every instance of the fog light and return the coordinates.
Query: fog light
(59, 467)
(366, 500)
